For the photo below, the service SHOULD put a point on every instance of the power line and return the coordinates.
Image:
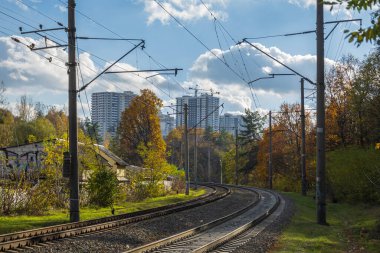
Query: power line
(281, 35)
(49, 59)
(51, 55)
(121, 37)
(41, 13)
(236, 42)
(197, 39)
(52, 36)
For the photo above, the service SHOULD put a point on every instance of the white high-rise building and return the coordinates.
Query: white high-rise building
(203, 109)
(228, 122)
(106, 110)
(167, 124)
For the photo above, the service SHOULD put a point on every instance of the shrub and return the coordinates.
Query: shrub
(103, 187)
(353, 174)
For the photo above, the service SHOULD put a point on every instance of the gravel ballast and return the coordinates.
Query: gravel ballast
(136, 234)
(265, 240)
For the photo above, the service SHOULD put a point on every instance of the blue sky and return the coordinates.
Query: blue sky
(169, 44)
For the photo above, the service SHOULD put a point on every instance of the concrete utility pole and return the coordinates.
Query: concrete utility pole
(73, 131)
(195, 138)
(221, 171)
(209, 162)
(270, 171)
(320, 177)
(195, 157)
(185, 109)
(236, 154)
(303, 139)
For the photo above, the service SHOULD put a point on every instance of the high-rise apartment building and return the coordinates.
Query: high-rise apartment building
(106, 110)
(203, 107)
(167, 124)
(228, 122)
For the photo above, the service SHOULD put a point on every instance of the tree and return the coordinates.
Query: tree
(252, 127)
(24, 108)
(3, 99)
(286, 132)
(40, 127)
(366, 100)
(370, 72)
(103, 187)
(372, 33)
(249, 138)
(339, 83)
(6, 127)
(174, 146)
(91, 130)
(140, 126)
(59, 120)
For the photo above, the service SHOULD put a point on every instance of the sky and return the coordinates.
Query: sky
(199, 36)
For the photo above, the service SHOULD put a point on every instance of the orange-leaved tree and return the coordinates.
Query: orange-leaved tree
(140, 128)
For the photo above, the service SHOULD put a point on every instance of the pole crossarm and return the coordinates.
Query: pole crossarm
(280, 35)
(103, 38)
(276, 60)
(344, 21)
(42, 48)
(45, 30)
(260, 78)
(160, 74)
(142, 43)
(270, 77)
(336, 22)
(144, 70)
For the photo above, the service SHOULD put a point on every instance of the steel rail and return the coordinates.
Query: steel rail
(31, 237)
(150, 247)
(246, 236)
(235, 233)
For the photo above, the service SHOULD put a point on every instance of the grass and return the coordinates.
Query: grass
(9, 224)
(351, 228)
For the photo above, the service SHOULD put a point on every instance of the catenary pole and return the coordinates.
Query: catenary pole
(185, 109)
(270, 169)
(303, 139)
(73, 131)
(195, 158)
(320, 171)
(236, 155)
(209, 162)
(221, 171)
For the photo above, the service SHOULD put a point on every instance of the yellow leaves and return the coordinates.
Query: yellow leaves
(31, 138)
(140, 125)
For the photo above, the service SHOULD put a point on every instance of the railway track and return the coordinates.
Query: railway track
(236, 228)
(26, 239)
(242, 239)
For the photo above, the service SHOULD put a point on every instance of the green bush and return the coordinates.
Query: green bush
(103, 187)
(353, 174)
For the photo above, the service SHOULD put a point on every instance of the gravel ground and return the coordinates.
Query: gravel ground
(143, 232)
(264, 241)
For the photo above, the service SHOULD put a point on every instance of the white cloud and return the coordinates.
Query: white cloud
(303, 3)
(23, 69)
(336, 10)
(210, 72)
(25, 72)
(184, 10)
(61, 7)
(19, 4)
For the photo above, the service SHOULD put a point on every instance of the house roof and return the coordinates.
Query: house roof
(114, 157)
